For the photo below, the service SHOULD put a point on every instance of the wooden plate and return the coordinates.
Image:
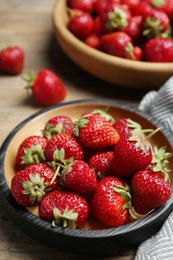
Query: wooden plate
(98, 238)
(144, 75)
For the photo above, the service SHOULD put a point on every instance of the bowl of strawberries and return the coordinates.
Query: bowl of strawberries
(88, 177)
(124, 42)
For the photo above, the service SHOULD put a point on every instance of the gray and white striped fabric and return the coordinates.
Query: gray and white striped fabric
(160, 105)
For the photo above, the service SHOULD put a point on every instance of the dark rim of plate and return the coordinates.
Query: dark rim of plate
(103, 233)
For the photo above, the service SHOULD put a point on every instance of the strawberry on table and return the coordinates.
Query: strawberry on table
(109, 204)
(29, 186)
(55, 125)
(46, 87)
(101, 164)
(12, 60)
(79, 177)
(31, 150)
(158, 50)
(151, 186)
(64, 208)
(62, 147)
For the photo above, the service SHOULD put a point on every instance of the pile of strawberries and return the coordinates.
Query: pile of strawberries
(94, 166)
(131, 29)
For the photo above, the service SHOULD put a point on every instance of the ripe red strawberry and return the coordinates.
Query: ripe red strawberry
(155, 24)
(134, 29)
(84, 5)
(101, 164)
(107, 205)
(128, 126)
(12, 60)
(150, 191)
(46, 87)
(81, 25)
(66, 146)
(100, 5)
(115, 17)
(130, 3)
(164, 5)
(136, 54)
(158, 50)
(118, 44)
(28, 186)
(131, 154)
(94, 131)
(64, 208)
(79, 177)
(55, 125)
(151, 187)
(31, 150)
(141, 8)
(93, 40)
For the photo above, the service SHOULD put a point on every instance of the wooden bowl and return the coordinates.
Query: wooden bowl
(128, 73)
(93, 237)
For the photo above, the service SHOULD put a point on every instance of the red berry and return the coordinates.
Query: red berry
(12, 60)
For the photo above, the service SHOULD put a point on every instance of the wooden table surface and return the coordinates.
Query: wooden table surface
(28, 24)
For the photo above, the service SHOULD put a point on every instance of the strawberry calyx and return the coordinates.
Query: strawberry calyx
(157, 3)
(117, 19)
(29, 79)
(52, 130)
(159, 162)
(125, 192)
(153, 27)
(72, 13)
(103, 113)
(137, 129)
(67, 219)
(35, 187)
(32, 155)
(129, 50)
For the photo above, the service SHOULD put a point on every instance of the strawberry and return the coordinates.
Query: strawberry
(46, 87)
(79, 177)
(136, 54)
(158, 50)
(130, 3)
(100, 5)
(128, 126)
(69, 146)
(101, 164)
(64, 208)
(84, 5)
(164, 5)
(134, 29)
(93, 40)
(142, 8)
(81, 25)
(31, 150)
(155, 24)
(29, 186)
(55, 125)
(131, 154)
(94, 131)
(118, 44)
(115, 17)
(12, 60)
(109, 206)
(151, 187)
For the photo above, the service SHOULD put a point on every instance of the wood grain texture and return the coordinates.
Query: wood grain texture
(29, 25)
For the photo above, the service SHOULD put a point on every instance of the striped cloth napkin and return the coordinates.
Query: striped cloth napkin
(160, 105)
